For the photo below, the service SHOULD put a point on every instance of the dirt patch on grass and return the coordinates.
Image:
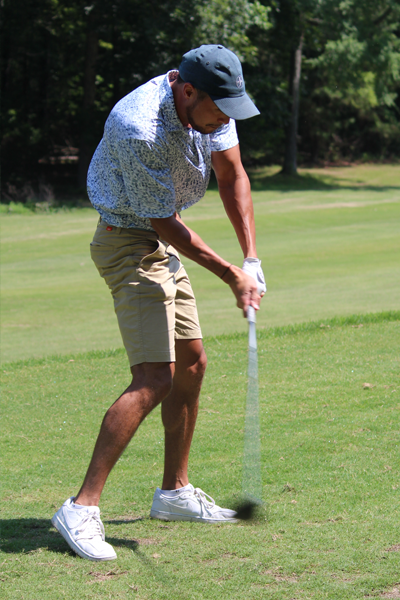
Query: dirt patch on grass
(226, 555)
(105, 576)
(279, 577)
(146, 542)
(395, 548)
(235, 556)
(394, 593)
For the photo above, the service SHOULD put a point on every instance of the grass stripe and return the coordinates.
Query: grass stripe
(309, 326)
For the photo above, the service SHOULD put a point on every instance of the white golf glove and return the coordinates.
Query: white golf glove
(252, 266)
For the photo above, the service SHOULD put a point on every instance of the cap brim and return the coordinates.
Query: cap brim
(238, 108)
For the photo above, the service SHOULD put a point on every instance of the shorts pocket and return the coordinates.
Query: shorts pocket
(170, 250)
(157, 255)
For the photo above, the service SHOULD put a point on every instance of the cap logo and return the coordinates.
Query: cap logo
(239, 81)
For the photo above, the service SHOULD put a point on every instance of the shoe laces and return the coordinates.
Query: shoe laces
(91, 527)
(204, 499)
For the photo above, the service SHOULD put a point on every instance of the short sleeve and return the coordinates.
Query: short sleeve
(224, 137)
(147, 178)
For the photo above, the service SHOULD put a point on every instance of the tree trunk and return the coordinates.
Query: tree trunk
(89, 90)
(290, 162)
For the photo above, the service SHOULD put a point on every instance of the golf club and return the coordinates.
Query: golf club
(251, 479)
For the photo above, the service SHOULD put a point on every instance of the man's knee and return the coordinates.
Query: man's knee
(201, 364)
(161, 380)
(196, 369)
(156, 377)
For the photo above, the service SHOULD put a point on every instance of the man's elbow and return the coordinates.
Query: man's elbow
(168, 228)
(238, 178)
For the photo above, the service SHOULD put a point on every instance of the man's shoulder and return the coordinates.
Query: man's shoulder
(137, 115)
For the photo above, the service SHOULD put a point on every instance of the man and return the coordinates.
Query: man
(155, 160)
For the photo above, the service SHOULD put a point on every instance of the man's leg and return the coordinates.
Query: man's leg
(151, 383)
(178, 500)
(179, 411)
(78, 520)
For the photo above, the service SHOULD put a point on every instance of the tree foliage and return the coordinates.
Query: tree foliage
(65, 63)
(228, 22)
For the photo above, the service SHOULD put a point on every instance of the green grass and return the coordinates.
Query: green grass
(330, 462)
(330, 446)
(328, 241)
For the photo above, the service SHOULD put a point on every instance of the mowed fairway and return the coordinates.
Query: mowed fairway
(329, 405)
(330, 469)
(329, 243)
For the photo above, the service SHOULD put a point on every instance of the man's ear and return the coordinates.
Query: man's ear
(188, 91)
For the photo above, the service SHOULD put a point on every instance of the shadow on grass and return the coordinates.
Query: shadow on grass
(20, 536)
(24, 536)
(305, 182)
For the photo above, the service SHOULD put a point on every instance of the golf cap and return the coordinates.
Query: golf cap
(217, 71)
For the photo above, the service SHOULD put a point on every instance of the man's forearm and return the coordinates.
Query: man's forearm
(239, 208)
(234, 189)
(188, 243)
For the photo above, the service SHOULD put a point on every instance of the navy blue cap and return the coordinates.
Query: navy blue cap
(218, 72)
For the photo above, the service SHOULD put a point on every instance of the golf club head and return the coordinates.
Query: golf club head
(247, 509)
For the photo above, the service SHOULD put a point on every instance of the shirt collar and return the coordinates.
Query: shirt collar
(167, 105)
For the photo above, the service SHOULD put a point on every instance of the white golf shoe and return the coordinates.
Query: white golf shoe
(189, 504)
(83, 531)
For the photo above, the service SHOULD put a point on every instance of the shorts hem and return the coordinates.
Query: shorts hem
(151, 357)
(188, 334)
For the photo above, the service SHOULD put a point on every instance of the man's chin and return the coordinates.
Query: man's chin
(205, 130)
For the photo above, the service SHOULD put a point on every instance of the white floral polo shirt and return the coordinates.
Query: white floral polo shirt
(148, 164)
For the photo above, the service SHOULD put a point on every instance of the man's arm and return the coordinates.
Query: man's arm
(234, 189)
(187, 242)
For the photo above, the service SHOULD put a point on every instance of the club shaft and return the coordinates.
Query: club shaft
(251, 484)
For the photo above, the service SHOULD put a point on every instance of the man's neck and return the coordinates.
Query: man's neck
(176, 91)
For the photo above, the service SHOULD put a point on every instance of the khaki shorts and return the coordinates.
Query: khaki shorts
(153, 298)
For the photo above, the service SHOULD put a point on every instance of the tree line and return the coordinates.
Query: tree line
(325, 75)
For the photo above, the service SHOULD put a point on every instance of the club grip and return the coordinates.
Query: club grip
(251, 314)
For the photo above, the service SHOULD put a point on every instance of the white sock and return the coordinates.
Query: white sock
(172, 493)
(77, 506)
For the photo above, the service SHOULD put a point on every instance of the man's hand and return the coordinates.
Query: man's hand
(243, 287)
(252, 266)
